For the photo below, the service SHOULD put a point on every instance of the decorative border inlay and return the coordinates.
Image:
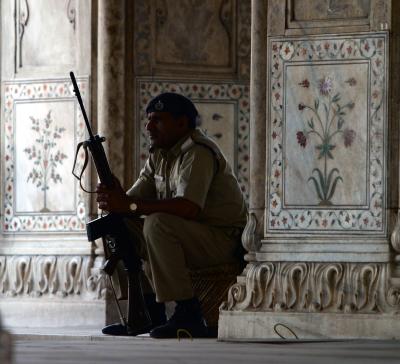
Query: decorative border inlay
(203, 92)
(39, 91)
(336, 50)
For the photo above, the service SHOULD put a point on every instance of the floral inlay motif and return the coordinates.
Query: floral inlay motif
(347, 74)
(44, 156)
(33, 93)
(325, 120)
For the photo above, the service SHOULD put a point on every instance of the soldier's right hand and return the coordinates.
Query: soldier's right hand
(112, 199)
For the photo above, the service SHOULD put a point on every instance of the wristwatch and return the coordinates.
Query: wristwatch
(133, 207)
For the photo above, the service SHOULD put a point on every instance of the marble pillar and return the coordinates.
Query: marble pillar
(111, 76)
(253, 232)
(321, 241)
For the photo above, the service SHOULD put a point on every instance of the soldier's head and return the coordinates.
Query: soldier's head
(170, 117)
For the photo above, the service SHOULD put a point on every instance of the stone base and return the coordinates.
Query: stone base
(255, 326)
(52, 313)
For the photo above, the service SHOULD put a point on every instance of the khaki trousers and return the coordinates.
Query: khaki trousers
(172, 246)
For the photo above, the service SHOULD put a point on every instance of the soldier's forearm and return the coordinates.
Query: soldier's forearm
(175, 206)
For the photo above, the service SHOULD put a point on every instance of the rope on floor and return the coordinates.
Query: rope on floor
(287, 328)
(180, 331)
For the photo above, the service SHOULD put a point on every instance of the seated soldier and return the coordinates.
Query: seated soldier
(194, 213)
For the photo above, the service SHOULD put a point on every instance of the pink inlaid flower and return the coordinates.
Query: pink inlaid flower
(351, 81)
(305, 83)
(377, 205)
(301, 139)
(301, 106)
(325, 85)
(348, 137)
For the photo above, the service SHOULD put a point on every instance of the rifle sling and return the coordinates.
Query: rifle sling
(85, 146)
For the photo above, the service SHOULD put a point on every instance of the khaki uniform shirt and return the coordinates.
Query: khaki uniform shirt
(194, 169)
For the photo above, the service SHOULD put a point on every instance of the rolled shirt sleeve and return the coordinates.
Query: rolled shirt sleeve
(195, 175)
(144, 187)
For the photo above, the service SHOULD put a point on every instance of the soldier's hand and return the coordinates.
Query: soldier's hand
(112, 199)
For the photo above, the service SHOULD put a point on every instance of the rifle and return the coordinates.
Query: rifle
(113, 231)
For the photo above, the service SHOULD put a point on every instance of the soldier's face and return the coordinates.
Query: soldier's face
(164, 130)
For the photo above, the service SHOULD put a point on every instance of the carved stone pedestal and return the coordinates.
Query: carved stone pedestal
(317, 326)
(53, 288)
(314, 300)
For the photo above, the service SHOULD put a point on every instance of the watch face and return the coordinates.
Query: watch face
(133, 206)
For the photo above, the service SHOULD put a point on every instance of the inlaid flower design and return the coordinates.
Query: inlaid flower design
(44, 155)
(324, 122)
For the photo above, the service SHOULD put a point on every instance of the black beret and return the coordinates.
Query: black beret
(174, 103)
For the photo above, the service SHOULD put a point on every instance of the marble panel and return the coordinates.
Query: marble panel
(219, 41)
(320, 118)
(327, 135)
(41, 157)
(43, 126)
(197, 37)
(45, 33)
(303, 15)
(306, 10)
(224, 112)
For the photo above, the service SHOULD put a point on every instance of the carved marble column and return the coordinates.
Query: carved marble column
(111, 81)
(254, 228)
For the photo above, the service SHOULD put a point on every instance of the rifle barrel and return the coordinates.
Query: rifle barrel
(78, 96)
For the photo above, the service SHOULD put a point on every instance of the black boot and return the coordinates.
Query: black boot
(157, 315)
(187, 317)
(156, 310)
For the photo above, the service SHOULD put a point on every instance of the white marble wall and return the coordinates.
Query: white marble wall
(48, 269)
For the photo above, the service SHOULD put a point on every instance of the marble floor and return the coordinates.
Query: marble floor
(84, 347)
